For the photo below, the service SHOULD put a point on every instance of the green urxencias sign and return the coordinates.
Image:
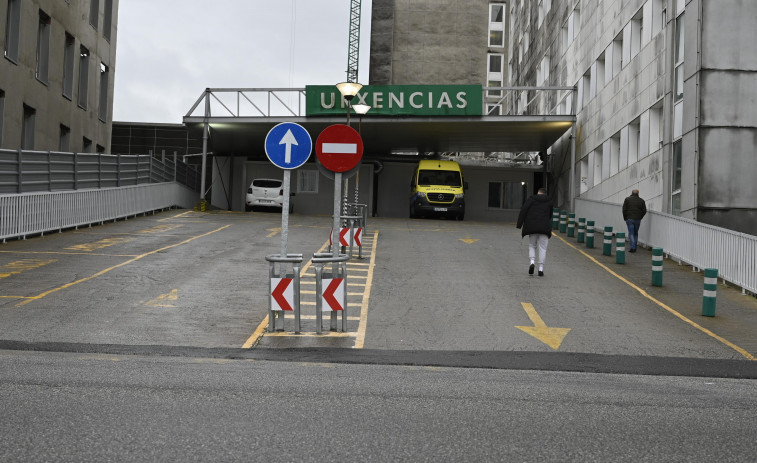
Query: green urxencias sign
(398, 100)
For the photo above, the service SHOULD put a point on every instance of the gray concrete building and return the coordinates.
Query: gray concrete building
(57, 75)
(666, 100)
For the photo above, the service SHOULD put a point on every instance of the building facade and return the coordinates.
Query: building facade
(666, 93)
(57, 76)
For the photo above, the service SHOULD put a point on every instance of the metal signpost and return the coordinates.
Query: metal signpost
(339, 149)
(288, 146)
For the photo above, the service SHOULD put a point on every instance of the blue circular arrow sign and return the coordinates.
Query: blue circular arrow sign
(288, 145)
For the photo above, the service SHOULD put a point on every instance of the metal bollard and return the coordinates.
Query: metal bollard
(339, 270)
(607, 243)
(620, 248)
(581, 230)
(657, 266)
(563, 221)
(555, 218)
(709, 294)
(279, 294)
(571, 225)
(590, 234)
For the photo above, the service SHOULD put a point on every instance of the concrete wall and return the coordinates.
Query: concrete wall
(18, 79)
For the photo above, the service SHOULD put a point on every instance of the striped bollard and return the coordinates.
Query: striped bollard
(656, 266)
(590, 234)
(710, 292)
(607, 243)
(620, 248)
(555, 218)
(563, 221)
(581, 230)
(571, 225)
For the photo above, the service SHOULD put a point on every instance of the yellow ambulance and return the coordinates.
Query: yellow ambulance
(437, 189)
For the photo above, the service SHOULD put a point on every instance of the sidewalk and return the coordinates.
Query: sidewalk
(735, 320)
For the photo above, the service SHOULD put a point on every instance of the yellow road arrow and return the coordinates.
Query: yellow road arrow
(274, 231)
(552, 337)
(160, 300)
(468, 240)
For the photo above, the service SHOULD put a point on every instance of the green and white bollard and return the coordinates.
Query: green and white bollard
(710, 292)
(581, 230)
(607, 243)
(563, 221)
(590, 234)
(657, 266)
(555, 218)
(620, 248)
(571, 225)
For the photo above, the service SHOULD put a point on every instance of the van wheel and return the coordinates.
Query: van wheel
(460, 216)
(413, 215)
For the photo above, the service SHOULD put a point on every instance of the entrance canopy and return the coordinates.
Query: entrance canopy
(238, 121)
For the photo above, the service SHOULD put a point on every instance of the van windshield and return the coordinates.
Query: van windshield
(439, 177)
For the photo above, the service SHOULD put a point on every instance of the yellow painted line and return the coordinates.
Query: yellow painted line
(274, 232)
(699, 327)
(160, 229)
(176, 216)
(326, 334)
(15, 297)
(103, 272)
(104, 243)
(361, 327)
(69, 253)
(160, 301)
(23, 265)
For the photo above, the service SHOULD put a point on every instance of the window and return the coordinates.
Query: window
(544, 7)
(94, 12)
(27, 128)
(43, 46)
(584, 172)
(12, 29)
(83, 76)
(496, 25)
(493, 109)
(542, 72)
(600, 73)
(495, 73)
(86, 145)
(64, 143)
(103, 107)
(676, 181)
(616, 54)
(108, 19)
(574, 24)
(611, 150)
(68, 66)
(655, 127)
(634, 139)
(307, 181)
(636, 31)
(100, 149)
(679, 54)
(597, 175)
(507, 195)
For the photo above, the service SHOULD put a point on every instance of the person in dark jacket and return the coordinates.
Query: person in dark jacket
(535, 220)
(634, 209)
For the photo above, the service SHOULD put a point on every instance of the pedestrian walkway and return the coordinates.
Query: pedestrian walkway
(681, 293)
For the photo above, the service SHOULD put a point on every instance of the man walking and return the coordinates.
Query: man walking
(634, 209)
(535, 220)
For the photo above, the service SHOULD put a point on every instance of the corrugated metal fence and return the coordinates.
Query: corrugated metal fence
(697, 244)
(44, 191)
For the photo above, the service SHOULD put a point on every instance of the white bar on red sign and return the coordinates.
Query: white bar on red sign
(339, 148)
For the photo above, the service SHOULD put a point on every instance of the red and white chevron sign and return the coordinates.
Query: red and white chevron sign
(357, 235)
(343, 237)
(282, 296)
(333, 294)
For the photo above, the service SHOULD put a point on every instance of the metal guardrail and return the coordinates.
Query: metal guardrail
(694, 243)
(27, 214)
(25, 171)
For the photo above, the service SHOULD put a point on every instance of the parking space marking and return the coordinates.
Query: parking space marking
(104, 243)
(23, 265)
(660, 304)
(103, 272)
(160, 228)
(160, 301)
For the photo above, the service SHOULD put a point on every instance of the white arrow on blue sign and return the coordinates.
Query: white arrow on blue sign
(288, 145)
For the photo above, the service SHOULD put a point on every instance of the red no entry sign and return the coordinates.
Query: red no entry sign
(339, 148)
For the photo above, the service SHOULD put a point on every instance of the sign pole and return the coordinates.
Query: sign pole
(285, 213)
(337, 203)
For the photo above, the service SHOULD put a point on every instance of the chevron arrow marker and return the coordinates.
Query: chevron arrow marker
(282, 295)
(333, 295)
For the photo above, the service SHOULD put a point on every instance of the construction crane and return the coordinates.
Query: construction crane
(353, 48)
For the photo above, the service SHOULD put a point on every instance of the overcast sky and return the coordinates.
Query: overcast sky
(169, 51)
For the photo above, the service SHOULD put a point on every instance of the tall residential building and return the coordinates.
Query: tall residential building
(666, 99)
(56, 81)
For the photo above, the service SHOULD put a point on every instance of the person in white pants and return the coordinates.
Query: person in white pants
(535, 220)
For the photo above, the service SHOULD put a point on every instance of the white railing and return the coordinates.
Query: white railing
(38, 213)
(694, 243)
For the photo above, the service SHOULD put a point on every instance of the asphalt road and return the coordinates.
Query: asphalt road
(147, 340)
